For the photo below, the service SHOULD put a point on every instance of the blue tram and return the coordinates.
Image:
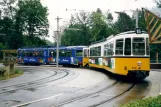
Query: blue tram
(32, 56)
(68, 55)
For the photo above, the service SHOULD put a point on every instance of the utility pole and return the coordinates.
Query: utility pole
(137, 26)
(137, 18)
(57, 56)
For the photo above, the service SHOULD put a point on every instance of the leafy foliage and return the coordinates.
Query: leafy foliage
(124, 23)
(148, 102)
(31, 12)
(94, 26)
(158, 2)
(26, 23)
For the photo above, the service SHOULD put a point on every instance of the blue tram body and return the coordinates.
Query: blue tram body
(32, 56)
(69, 55)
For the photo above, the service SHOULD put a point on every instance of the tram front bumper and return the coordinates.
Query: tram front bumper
(138, 73)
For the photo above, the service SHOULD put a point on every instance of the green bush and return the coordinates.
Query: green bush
(17, 71)
(147, 102)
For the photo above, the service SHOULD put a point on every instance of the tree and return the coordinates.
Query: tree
(99, 25)
(8, 8)
(124, 23)
(92, 27)
(141, 20)
(83, 19)
(32, 20)
(158, 2)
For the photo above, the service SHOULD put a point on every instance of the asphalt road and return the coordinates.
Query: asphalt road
(73, 87)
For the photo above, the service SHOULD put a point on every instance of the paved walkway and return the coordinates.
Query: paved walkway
(85, 79)
(155, 78)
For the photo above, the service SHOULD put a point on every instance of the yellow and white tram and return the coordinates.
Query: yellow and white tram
(124, 54)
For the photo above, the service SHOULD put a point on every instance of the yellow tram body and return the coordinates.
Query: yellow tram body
(124, 54)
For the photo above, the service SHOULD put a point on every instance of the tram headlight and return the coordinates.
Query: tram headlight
(139, 63)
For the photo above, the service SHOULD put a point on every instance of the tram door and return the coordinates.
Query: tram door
(85, 57)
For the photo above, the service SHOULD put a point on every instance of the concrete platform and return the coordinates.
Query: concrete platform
(155, 79)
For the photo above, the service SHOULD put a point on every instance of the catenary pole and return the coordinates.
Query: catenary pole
(57, 56)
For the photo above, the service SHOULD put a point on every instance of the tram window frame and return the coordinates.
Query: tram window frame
(139, 50)
(126, 50)
(120, 48)
(79, 53)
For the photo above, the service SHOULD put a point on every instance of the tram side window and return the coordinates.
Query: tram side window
(138, 46)
(119, 47)
(54, 53)
(68, 53)
(41, 53)
(35, 54)
(29, 54)
(105, 49)
(21, 53)
(147, 46)
(99, 51)
(85, 52)
(128, 46)
(51, 53)
(62, 53)
(108, 50)
(79, 52)
(91, 52)
(95, 51)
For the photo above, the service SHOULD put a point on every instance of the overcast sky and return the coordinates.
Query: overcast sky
(58, 8)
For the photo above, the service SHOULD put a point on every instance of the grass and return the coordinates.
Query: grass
(147, 102)
(18, 72)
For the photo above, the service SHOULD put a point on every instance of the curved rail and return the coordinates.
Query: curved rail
(33, 84)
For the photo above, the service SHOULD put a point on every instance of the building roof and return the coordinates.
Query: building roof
(154, 10)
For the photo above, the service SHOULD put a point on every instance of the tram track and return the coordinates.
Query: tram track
(32, 84)
(87, 95)
(99, 91)
(114, 97)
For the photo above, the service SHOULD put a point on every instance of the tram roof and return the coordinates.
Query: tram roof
(30, 49)
(70, 47)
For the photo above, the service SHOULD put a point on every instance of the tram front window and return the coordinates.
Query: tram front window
(138, 46)
(128, 46)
